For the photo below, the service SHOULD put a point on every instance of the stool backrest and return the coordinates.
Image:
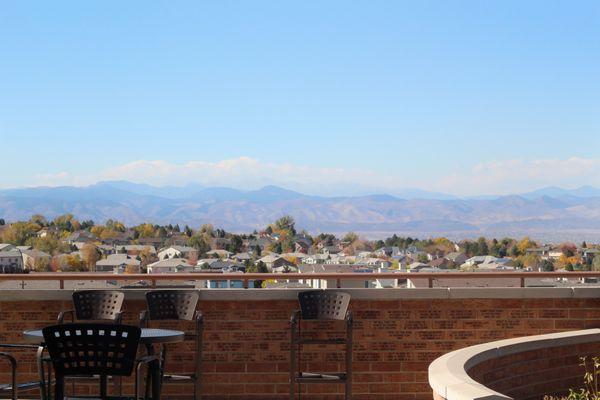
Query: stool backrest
(172, 304)
(94, 305)
(323, 304)
(87, 348)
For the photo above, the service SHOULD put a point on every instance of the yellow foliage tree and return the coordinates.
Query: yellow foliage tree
(525, 244)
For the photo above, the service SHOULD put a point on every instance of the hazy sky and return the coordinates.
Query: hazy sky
(461, 97)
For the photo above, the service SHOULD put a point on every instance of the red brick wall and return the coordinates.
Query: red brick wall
(532, 374)
(247, 342)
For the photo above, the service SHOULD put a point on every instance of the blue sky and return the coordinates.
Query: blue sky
(460, 97)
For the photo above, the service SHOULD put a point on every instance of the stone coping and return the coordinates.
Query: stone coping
(448, 374)
(359, 294)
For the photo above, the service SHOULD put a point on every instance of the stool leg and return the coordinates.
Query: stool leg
(349, 332)
(293, 349)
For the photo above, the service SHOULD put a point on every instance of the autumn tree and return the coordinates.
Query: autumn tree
(19, 233)
(132, 269)
(87, 224)
(50, 244)
(568, 249)
(531, 261)
(147, 256)
(74, 263)
(285, 224)
(42, 264)
(258, 268)
(596, 263)
(546, 266)
(199, 242)
(525, 244)
(115, 225)
(350, 238)
(236, 243)
(90, 255)
(39, 220)
(145, 230)
(67, 222)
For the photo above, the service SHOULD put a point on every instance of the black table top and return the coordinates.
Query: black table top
(149, 336)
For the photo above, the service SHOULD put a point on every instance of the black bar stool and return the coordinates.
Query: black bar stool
(14, 388)
(177, 305)
(95, 305)
(98, 306)
(320, 305)
(94, 349)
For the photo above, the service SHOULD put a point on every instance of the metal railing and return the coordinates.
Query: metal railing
(61, 277)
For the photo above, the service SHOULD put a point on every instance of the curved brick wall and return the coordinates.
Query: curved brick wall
(532, 374)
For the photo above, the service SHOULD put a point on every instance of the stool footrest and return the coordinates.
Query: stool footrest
(309, 377)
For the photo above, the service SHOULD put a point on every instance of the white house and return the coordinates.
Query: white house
(177, 252)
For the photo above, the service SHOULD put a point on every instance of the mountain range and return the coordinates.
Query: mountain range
(548, 214)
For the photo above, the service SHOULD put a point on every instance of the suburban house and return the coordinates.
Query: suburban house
(417, 266)
(155, 242)
(275, 261)
(588, 254)
(81, 237)
(457, 258)
(47, 231)
(118, 263)
(106, 249)
(261, 242)
(11, 261)
(135, 249)
(302, 244)
(442, 262)
(222, 266)
(241, 257)
(476, 260)
(170, 265)
(555, 254)
(178, 252)
(374, 263)
(7, 247)
(389, 251)
(121, 239)
(331, 249)
(542, 252)
(297, 256)
(33, 258)
(316, 259)
(219, 254)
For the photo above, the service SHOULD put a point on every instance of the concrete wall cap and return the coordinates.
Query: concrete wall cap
(359, 294)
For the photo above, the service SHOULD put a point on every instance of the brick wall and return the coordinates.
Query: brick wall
(247, 342)
(532, 374)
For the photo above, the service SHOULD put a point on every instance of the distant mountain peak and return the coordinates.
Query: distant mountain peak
(548, 213)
